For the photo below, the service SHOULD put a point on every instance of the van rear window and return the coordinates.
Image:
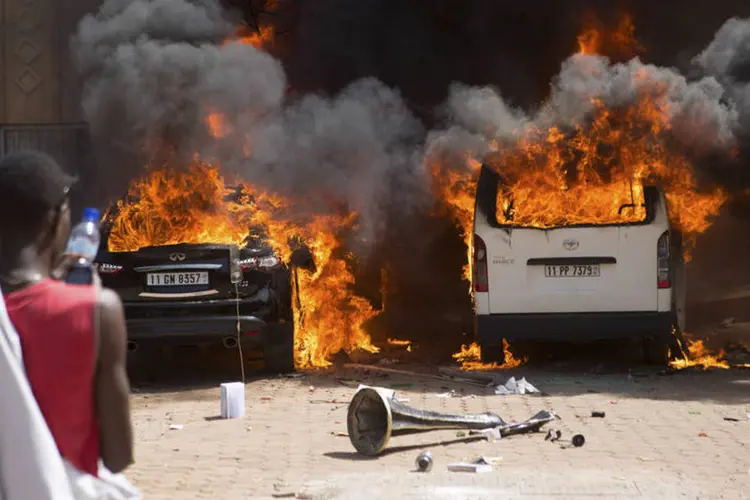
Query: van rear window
(615, 203)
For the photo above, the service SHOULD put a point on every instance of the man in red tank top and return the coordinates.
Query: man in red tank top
(73, 337)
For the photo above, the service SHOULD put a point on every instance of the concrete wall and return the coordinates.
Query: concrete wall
(40, 85)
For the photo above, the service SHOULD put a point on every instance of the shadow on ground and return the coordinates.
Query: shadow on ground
(566, 371)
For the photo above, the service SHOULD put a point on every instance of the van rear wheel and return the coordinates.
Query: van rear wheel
(655, 351)
(493, 354)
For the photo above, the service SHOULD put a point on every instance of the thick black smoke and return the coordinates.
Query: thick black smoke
(155, 70)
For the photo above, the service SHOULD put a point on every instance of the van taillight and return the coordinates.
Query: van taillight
(662, 256)
(481, 283)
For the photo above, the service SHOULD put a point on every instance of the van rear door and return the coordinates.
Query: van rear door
(573, 269)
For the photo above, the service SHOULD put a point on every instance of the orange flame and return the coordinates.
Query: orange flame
(195, 205)
(620, 43)
(218, 125)
(456, 190)
(261, 39)
(402, 343)
(596, 174)
(470, 358)
(699, 355)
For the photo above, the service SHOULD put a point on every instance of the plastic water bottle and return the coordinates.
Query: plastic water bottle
(84, 245)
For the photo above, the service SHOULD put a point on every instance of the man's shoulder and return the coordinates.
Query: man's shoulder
(106, 297)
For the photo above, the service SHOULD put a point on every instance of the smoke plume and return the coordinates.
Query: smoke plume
(155, 70)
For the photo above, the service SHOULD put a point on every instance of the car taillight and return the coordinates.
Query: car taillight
(264, 263)
(104, 268)
(662, 256)
(481, 282)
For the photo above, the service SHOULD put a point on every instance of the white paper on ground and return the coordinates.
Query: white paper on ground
(513, 386)
(232, 400)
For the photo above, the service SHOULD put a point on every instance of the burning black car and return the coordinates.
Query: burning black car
(205, 293)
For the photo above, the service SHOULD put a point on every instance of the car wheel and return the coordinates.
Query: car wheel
(493, 354)
(655, 351)
(279, 356)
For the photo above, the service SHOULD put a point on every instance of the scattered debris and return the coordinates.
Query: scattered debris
(533, 424)
(553, 435)
(578, 440)
(728, 322)
(374, 416)
(480, 465)
(702, 434)
(512, 386)
(693, 412)
(598, 414)
(460, 434)
(294, 375)
(613, 402)
(386, 361)
(265, 399)
(731, 419)
(465, 467)
(736, 354)
(446, 395)
(311, 389)
(410, 374)
(424, 462)
(488, 434)
(176, 427)
(339, 434)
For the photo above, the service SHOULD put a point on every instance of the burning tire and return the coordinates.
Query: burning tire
(655, 350)
(279, 355)
(493, 354)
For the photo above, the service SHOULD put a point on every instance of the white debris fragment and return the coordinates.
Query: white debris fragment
(176, 427)
(492, 434)
(513, 386)
(446, 395)
(465, 467)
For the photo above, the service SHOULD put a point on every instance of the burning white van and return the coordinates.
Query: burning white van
(576, 282)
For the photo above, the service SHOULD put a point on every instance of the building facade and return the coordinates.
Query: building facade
(40, 97)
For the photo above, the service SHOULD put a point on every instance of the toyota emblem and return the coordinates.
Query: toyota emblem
(570, 245)
(177, 257)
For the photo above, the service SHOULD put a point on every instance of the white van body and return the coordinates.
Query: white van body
(573, 283)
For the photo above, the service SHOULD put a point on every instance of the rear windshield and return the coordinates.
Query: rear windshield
(602, 205)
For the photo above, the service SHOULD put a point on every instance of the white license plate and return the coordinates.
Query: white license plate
(572, 271)
(177, 279)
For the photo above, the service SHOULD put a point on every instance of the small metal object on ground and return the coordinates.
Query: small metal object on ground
(424, 462)
(553, 435)
(597, 414)
(578, 440)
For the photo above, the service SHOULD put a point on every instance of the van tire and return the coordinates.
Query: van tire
(278, 356)
(655, 351)
(493, 354)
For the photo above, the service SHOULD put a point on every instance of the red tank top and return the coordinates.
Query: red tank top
(55, 322)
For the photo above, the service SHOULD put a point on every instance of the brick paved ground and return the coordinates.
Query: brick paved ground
(663, 437)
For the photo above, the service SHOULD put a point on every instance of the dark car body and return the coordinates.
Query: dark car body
(197, 294)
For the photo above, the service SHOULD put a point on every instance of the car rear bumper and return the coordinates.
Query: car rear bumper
(572, 327)
(254, 331)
